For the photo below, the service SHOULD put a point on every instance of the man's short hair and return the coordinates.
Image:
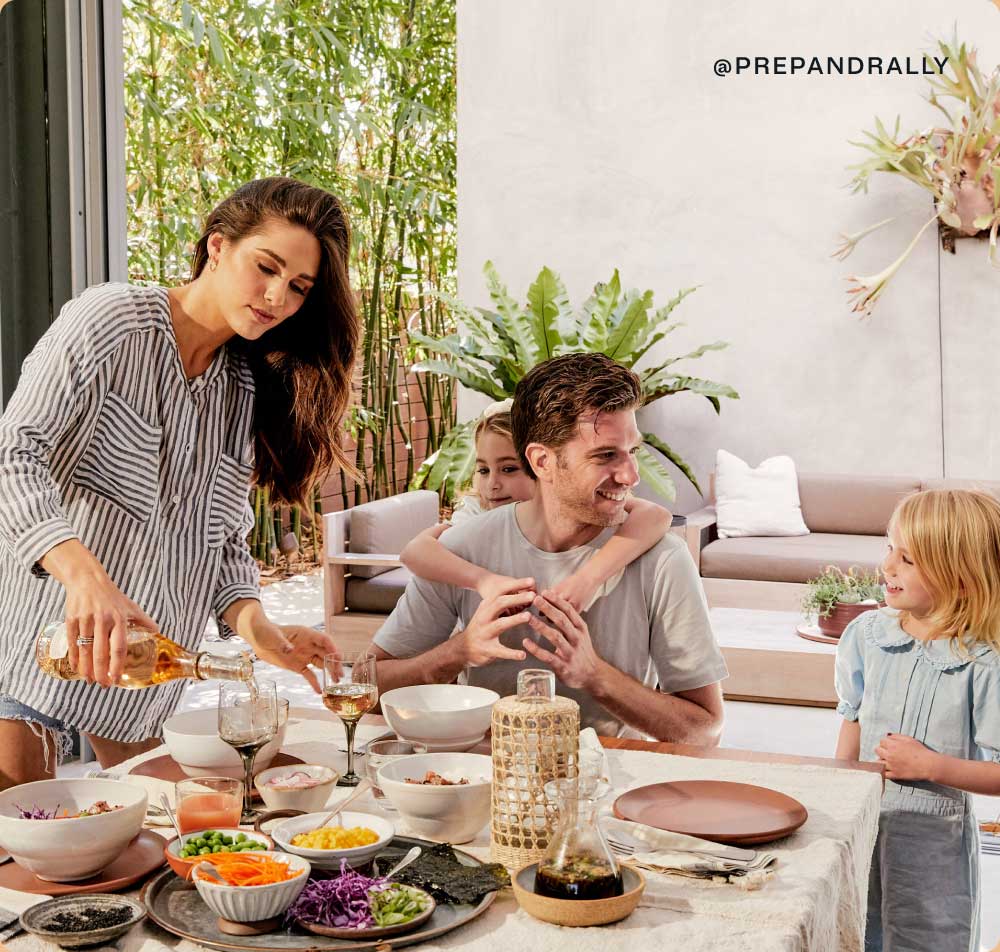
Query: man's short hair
(551, 398)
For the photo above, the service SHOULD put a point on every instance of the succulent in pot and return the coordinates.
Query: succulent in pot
(836, 597)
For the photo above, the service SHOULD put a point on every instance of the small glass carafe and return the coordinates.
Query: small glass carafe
(578, 863)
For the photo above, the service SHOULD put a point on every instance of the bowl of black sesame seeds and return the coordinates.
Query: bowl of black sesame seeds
(76, 921)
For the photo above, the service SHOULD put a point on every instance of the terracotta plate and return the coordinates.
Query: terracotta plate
(812, 633)
(718, 810)
(140, 858)
(166, 768)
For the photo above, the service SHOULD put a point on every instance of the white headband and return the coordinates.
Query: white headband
(500, 406)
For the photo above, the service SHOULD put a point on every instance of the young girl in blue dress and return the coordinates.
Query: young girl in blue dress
(919, 689)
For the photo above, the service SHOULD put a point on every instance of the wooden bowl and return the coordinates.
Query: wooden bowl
(577, 912)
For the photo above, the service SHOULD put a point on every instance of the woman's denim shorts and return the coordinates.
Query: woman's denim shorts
(42, 726)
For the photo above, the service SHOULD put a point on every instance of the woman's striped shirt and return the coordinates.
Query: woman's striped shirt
(105, 440)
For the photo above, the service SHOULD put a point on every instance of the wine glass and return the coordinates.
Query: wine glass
(349, 694)
(248, 719)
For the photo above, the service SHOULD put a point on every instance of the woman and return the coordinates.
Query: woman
(126, 454)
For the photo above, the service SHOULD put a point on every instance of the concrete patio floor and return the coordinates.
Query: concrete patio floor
(777, 728)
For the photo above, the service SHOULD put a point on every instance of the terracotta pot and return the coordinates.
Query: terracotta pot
(842, 615)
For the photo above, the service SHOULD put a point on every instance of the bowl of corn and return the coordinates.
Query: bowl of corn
(357, 838)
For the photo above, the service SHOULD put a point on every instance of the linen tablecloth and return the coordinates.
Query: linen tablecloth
(814, 902)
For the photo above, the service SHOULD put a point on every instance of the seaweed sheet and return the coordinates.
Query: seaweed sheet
(448, 880)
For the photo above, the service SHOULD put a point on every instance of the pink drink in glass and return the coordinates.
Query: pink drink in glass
(208, 803)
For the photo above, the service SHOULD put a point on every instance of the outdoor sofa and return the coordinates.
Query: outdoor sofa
(847, 517)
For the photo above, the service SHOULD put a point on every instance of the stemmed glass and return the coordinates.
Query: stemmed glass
(248, 719)
(350, 693)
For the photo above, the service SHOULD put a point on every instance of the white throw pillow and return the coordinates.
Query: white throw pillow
(757, 502)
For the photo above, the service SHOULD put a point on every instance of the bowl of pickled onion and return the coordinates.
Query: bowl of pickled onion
(304, 787)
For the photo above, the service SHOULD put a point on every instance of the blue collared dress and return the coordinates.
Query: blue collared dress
(924, 886)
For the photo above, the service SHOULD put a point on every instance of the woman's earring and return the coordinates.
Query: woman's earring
(213, 264)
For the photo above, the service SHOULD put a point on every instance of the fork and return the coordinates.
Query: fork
(622, 848)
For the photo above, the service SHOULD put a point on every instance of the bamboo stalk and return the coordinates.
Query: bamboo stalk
(317, 518)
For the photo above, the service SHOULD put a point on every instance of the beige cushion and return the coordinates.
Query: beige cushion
(378, 594)
(384, 526)
(855, 505)
(790, 559)
(985, 484)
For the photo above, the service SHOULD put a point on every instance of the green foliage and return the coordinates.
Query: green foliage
(503, 345)
(850, 587)
(356, 96)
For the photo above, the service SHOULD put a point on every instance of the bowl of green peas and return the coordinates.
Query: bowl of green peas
(182, 853)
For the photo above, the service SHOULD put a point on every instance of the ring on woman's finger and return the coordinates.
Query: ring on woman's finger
(83, 642)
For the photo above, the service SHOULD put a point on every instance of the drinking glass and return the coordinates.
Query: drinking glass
(349, 694)
(205, 803)
(378, 753)
(248, 719)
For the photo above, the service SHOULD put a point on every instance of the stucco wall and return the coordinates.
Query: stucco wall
(594, 135)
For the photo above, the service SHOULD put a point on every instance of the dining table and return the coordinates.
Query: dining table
(813, 900)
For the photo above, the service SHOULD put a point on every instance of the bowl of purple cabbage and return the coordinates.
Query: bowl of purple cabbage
(352, 905)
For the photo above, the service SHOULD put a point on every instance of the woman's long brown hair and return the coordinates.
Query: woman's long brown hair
(302, 369)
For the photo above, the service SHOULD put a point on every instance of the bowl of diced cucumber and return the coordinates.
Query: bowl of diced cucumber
(182, 853)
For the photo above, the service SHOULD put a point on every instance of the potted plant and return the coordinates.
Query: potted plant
(497, 348)
(836, 597)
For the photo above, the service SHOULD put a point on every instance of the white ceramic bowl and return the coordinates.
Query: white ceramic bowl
(253, 903)
(440, 716)
(356, 856)
(453, 814)
(306, 799)
(193, 741)
(63, 851)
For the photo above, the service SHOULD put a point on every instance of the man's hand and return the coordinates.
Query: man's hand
(481, 639)
(295, 648)
(905, 758)
(573, 658)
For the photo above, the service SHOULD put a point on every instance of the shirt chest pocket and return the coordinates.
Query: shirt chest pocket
(230, 504)
(122, 461)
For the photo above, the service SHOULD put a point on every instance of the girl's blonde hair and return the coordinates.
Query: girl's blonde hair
(953, 538)
(497, 423)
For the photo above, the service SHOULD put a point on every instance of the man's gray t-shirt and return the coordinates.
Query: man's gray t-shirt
(651, 622)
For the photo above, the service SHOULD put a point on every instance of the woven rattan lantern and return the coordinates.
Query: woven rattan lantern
(536, 738)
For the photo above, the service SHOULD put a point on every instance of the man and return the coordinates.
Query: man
(643, 655)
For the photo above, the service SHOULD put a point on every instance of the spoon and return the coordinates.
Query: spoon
(209, 870)
(405, 861)
(361, 788)
(173, 819)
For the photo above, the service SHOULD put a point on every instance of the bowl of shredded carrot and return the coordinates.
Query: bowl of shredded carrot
(255, 885)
